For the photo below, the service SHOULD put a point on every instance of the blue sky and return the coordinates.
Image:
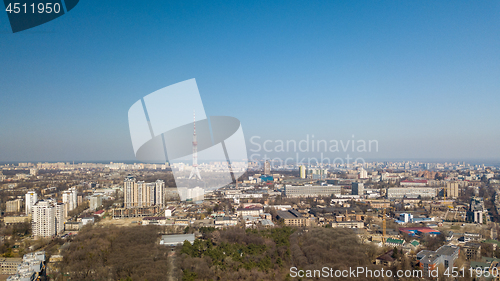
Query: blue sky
(420, 77)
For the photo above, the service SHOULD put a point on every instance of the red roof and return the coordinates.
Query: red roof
(416, 181)
(99, 212)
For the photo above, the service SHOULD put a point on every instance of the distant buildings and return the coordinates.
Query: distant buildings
(30, 198)
(13, 206)
(267, 168)
(363, 174)
(357, 188)
(34, 172)
(414, 183)
(191, 194)
(142, 194)
(312, 190)
(47, 219)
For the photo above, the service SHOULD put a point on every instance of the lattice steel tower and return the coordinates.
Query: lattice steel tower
(194, 171)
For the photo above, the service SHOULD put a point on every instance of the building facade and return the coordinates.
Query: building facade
(142, 194)
(357, 188)
(13, 206)
(312, 190)
(47, 218)
(402, 192)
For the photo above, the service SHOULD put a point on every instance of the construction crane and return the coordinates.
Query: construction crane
(383, 227)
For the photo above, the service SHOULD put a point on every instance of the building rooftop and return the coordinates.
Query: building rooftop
(176, 239)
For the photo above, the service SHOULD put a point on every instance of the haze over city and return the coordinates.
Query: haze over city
(419, 77)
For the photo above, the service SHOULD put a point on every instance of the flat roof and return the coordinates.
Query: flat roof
(174, 239)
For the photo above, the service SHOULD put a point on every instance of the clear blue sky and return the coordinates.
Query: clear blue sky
(421, 77)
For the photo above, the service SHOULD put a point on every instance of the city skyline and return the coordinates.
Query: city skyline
(420, 78)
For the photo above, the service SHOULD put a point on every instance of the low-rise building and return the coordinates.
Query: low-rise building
(9, 265)
(445, 256)
(413, 192)
(176, 239)
(250, 210)
(312, 190)
(292, 218)
(13, 206)
(472, 250)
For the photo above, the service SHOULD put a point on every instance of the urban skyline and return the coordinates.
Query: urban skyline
(422, 88)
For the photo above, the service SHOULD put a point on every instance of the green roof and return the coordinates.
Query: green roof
(415, 243)
(395, 241)
(476, 264)
(490, 260)
(491, 241)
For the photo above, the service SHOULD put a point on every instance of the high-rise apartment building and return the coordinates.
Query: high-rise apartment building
(47, 219)
(69, 197)
(302, 171)
(30, 198)
(452, 190)
(267, 168)
(142, 194)
(357, 188)
(95, 202)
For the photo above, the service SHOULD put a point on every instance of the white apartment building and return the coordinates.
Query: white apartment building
(30, 198)
(47, 218)
(95, 202)
(191, 194)
(69, 198)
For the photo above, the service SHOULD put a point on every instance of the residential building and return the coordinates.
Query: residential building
(13, 206)
(191, 194)
(267, 168)
(8, 266)
(70, 198)
(357, 188)
(302, 171)
(250, 210)
(452, 190)
(142, 194)
(30, 198)
(47, 219)
(95, 202)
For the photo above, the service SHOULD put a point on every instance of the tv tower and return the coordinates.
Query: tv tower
(194, 171)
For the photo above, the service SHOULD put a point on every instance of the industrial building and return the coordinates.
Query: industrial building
(413, 192)
(312, 190)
